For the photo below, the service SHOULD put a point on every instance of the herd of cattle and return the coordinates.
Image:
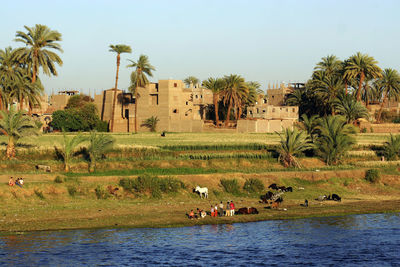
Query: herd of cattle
(274, 199)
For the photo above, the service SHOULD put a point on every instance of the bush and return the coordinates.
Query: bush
(253, 185)
(364, 130)
(58, 180)
(39, 194)
(72, 190)
(231, 186)
(147, 184)
(101, 193)
(372, 175)
(101, 126)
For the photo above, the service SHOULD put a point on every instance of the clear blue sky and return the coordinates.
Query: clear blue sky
(265, 41)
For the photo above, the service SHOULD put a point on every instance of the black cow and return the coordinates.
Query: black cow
(289, 189)
(267, 196)
(336, 198)
(273, 186)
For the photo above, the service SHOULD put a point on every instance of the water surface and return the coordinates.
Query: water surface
(353, 240)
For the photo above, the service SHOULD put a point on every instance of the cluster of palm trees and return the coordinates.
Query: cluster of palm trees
(233, 91)
(330, 137)
(143, 68)
(19, 67)
(347, 87)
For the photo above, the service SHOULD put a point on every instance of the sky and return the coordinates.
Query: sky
(264, 41)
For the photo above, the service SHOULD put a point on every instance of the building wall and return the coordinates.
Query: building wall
(263, 125)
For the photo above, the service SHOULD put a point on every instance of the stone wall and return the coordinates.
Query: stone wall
(263, 126)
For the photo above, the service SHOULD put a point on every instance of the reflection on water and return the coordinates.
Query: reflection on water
(358, 239)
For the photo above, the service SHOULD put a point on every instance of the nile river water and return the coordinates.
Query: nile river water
(354, 240)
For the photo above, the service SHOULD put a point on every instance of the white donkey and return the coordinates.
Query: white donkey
(201, 191)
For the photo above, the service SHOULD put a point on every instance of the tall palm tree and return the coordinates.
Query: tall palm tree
(68, 148)
(390, 88)
(359, 66)
(334, 138)
(234, 85)
(347, 106)
(38, 40)
(119, 49)
(139, 78)
(15, 125)
(98, 145)
(216, 85)
(291, 145)
(191, 80)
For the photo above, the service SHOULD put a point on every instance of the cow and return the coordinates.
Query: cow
(273, 186)
(267, 197)
(247, 211)
(45, 168)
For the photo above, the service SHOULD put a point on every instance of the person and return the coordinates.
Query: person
(191, 215)
(212, 211)
(11, 182)
(232, 206)
(216, 210)
(221, 209)
(228, 209)
(19, 182)
(201, 213)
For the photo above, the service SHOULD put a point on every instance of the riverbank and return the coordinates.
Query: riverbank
(43, 204)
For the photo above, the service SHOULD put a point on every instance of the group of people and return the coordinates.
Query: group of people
(18, 181)
(215, 211)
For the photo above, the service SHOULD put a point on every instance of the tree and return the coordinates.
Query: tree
(234, 86)
(98, 145)
(85, 118)
(390, 88)
(151, 123)
(359, 66)
(331, 65)
(347, 106)
(78, 101)
(291, 145)
(309, 125)
(216, 85)
(68, 148)
(38, 40)
(15, 125)
(139, 78)
(191, 80)
(334, 138)
(391, 148)
(119, 49)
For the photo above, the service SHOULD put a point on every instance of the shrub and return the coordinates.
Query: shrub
(58, 180)
(151, 123)
(101, 126)
(372, 175)
(363, 130)
(101, 193)
(170, 185)
(231, 186)
(391, 148)
(126, 183)
(72, 190)
(39, 194)
(253, 185)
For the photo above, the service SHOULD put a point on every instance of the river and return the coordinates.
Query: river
(353, 240)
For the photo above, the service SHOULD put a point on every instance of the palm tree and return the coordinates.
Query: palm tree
(36, 54)
(390, 88)
(391, 148)
(119, 49)
(359, 66)
(22, 89)
(151, 123)
(292, 144)
(191, 80)
(69, 147)
(98, 145)
(309, 125)
(330, 65)
(139, 78)
(334, 138)
(15, 125)
(352, 110)
(234, 85)
(216, 85)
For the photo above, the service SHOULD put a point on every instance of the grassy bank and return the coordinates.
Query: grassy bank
(43, 204)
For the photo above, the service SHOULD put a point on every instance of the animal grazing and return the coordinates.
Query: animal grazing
(335, 197)
(273, 186)
(247, 211)
(43, 168)
(322, 198)
(305, 203)
(266, 197)
(276, 203)
(282, 188)
(289, 189)
(201, 191)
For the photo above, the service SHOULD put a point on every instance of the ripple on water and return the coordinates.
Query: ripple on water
(353, 240)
